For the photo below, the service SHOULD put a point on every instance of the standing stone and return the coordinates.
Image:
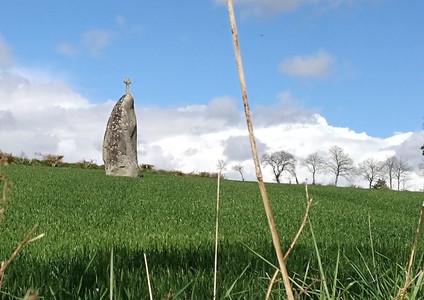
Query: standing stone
(120, 141)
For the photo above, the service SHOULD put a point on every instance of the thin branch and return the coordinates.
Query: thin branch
(267, 206)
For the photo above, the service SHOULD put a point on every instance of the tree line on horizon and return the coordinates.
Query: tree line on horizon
(388, 173)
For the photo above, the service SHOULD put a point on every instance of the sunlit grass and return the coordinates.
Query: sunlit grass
(84, 213)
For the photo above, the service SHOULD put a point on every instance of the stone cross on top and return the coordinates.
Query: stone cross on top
(127, 82)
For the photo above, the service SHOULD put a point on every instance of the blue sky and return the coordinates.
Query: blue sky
(319, 72)
(180, 52)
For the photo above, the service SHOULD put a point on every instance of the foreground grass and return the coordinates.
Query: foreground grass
(171, 218)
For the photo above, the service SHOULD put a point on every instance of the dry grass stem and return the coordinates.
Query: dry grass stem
(111, 275)
(215, 268)
(31, 295)
(402, 292)
(302, 225)
(264, 194)
(148, 277)
(26, 240)
(271, 284)
(36, 238)
(296, 237)
(22, 243)
(304, 290)
(3, 200)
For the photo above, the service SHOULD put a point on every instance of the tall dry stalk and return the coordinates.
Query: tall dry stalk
(221, 167)
(148, 277)
(264, 194)
(111, 276)
(296, 237)
(3, 199)
(25, 240)
(271, 284)
(402, 292)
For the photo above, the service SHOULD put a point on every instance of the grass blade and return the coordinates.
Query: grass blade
(111, 279)
(230, 289)
(321, 269)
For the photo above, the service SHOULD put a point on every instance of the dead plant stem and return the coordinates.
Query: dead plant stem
(402, 292)
(259, 176)
(22, 243)
(215, 268)
(148, 277)
(271, 284)
(296, 237)
(302, 225)
(3, 200)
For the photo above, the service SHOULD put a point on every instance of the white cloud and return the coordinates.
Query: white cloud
(48, 116)
(272, 7)
(66, 49)
(96, 40)
(52, 118)
(237, 148)
(126, 27)
(41, 114)
(23, 91)
(286, 110)
(259, 7)
(120, 20)
(316, 65)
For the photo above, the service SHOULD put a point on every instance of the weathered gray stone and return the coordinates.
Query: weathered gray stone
(120, 140)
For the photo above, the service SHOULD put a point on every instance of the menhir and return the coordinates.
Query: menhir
(120, 140)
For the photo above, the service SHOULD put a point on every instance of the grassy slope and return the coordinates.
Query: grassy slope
(171, 218)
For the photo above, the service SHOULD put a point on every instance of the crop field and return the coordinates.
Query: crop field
(84, 214)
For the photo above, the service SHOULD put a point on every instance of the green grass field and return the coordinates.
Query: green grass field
(84, 214)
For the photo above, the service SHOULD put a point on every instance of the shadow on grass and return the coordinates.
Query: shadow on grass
(186, 272)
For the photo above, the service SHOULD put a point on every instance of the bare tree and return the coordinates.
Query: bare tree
(239, 168)
(279, 161)
(221, 165)
(315, 164)
(292, 170)
(86, 164)
(370, 169)
(339, 163)
(401, 171)
(389, 169)
(421, 170)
